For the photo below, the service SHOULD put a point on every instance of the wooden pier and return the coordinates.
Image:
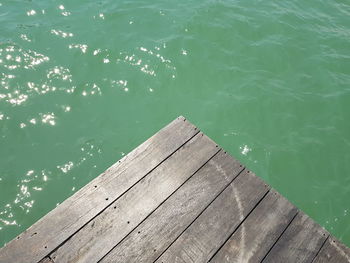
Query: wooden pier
(178, 197)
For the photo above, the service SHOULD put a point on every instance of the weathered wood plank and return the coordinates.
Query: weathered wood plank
(161, 228)
(212, 228)
(300, 242)
(257, 234)
(41, 238)
(333, 252)
(100, 235)
(46, 260)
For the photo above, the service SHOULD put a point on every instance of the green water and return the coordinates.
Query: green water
(84, 82)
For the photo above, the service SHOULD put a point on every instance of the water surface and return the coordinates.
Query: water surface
(84, 82)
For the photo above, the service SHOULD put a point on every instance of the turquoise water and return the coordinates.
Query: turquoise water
(84, 82)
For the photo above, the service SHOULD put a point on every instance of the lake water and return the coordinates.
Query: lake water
(84, 82)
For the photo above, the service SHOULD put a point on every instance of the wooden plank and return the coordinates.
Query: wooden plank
(157, 232)
(333, 252)
(212, 228)
(41, 238)
(300, 242)
(100, 235)
(257, 234)
(46, 260)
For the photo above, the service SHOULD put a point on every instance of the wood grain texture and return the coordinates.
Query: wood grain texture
(158, 231)
(212, 228)
(41, 238)
(100, 235)
(46, 260)
(257, 234)
(299, 243)
(333, 252)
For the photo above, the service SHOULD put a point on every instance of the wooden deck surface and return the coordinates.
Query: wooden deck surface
(178, 197)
